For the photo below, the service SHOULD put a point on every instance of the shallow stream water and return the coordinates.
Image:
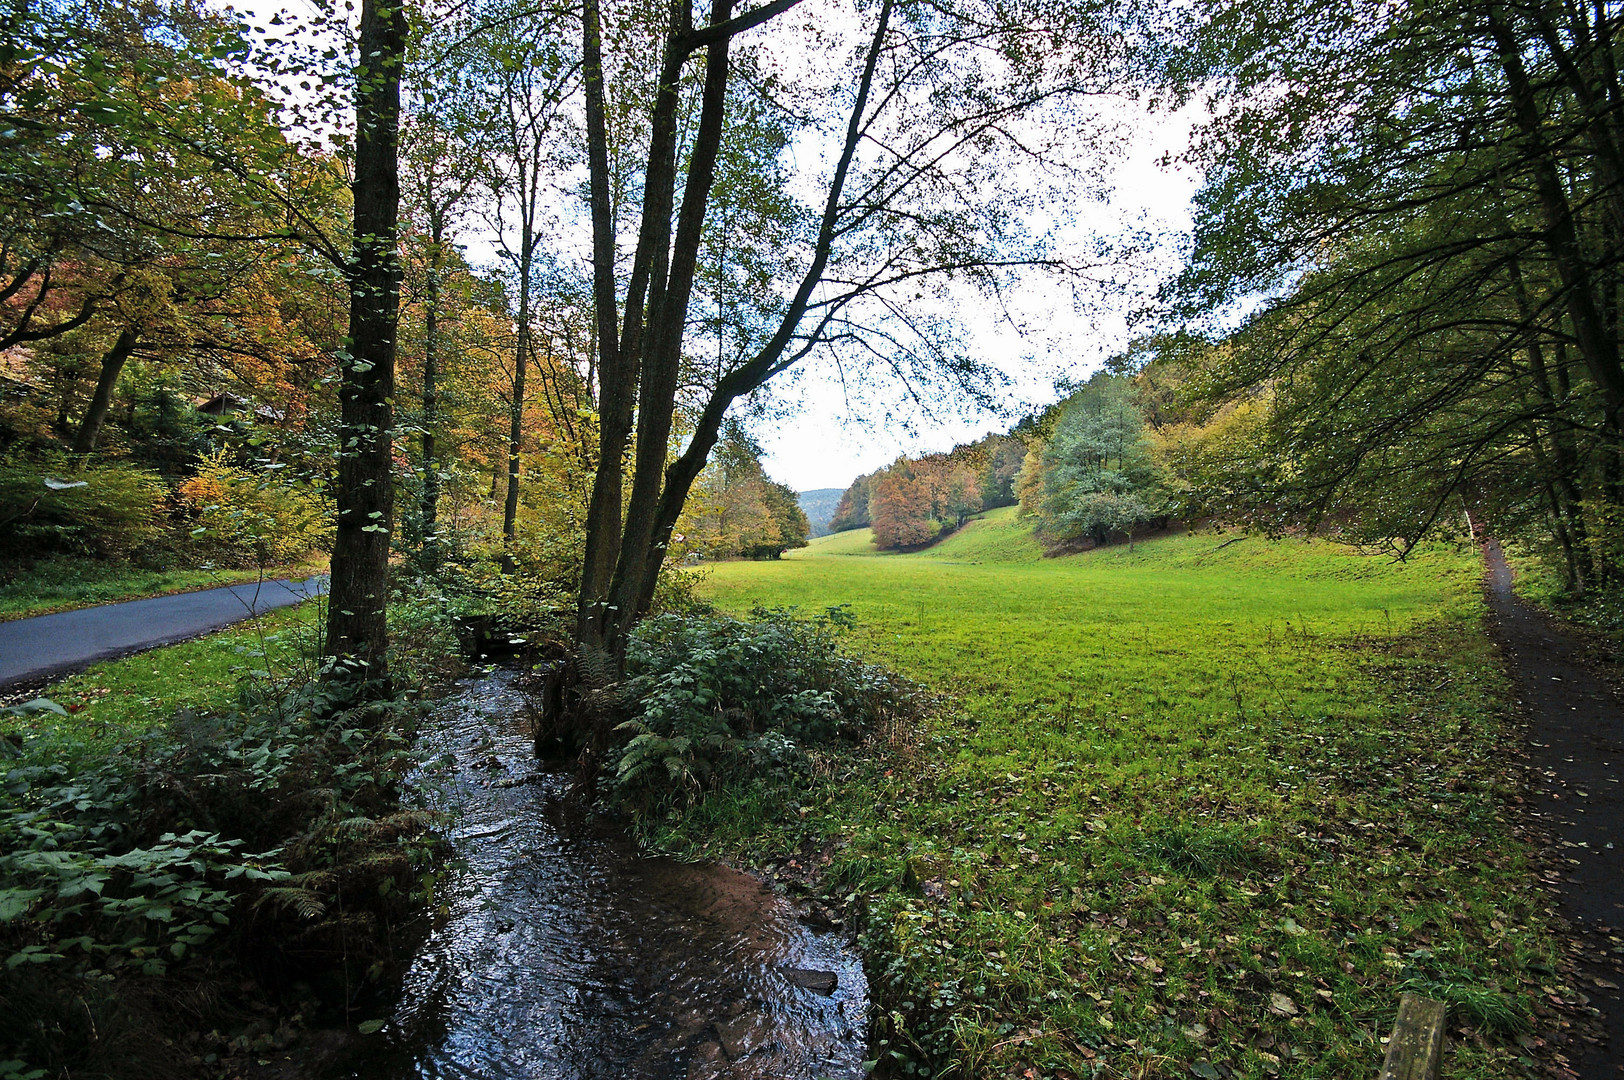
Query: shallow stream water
(564, 955)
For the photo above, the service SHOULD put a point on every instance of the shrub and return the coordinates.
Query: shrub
(423, 644)
(717, 698)
(53, 506)
(264, 518)
(269, 836)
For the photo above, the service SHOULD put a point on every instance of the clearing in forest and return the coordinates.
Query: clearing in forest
(1198, 808)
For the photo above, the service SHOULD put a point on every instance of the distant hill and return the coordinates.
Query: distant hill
(819, 507)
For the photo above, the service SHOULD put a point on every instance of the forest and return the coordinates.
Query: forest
(1158, 728)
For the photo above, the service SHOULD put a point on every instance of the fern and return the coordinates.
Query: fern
(301, 902)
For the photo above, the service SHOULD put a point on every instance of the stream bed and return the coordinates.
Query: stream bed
(564, 955)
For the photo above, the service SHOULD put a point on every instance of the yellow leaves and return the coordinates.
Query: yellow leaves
(201, 491)
(263, 516)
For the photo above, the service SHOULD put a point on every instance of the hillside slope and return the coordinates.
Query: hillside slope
(996, 536)
(849, 542)
(819, 506)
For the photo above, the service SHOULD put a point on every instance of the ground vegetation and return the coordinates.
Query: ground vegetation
(1203, 807)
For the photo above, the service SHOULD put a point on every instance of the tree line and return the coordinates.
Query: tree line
(1133, 448)
(1404, 275)
(278, 217)
(914, 501)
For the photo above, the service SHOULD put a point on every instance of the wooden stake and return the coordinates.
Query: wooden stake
(1416, 1050)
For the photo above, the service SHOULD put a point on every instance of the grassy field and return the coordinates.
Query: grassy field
(129, 696)
(1202, 809)
(63, 584)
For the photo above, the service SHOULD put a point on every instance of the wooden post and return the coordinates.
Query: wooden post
(1416, 1050)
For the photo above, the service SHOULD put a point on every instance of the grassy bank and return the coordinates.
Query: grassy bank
(63, 584)
(202, 851)
(1200, 809)
(116, 699)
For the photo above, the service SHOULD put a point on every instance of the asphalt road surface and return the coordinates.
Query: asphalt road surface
(1576, 747)
(47, 645)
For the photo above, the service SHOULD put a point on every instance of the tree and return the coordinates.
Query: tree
(521, 73)
(1004, 456)
(357, 606)
(919, 205)
(440, 180)
(101, 195)
(1435, 267)
(737, 511)
(901, 508)
(789, 525)
(960, 494)
(852, 510)
(1096, 474)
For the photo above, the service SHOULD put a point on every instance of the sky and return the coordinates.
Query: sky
(814, 437)
(820, 443)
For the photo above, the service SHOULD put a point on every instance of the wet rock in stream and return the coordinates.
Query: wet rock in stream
(823, 982)
(565, 955)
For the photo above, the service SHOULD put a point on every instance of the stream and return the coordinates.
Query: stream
(563, 954)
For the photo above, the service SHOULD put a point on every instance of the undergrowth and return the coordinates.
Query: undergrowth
(719, 702)
(246, 856)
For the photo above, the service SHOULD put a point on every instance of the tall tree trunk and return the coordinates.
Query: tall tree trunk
(1597, 347)
(357, 627)
(1561, 466)
(521, 355)
(641, 550)
(430, 506)
(620, 350)
(111, 365)
(680, 476)
(621, 566)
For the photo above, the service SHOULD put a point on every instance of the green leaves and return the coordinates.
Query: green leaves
(722, 699)
(36, 706)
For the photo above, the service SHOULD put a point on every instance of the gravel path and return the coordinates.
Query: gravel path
(1576, 747)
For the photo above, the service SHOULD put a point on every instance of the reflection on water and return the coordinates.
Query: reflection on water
(567, 956)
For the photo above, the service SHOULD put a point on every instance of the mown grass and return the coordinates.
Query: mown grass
(62, 584)
(1204, 808)
(850, 542)
(132, 695)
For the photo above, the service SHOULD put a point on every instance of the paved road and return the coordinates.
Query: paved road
(1576, 745)
(47, 645)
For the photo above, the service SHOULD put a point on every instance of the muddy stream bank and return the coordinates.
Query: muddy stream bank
(561, 954)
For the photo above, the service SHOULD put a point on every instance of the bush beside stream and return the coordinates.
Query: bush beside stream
(248, 863)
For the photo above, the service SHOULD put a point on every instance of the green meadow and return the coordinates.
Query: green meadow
(1205, 808)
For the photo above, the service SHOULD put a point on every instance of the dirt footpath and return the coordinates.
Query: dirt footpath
(1575, 747)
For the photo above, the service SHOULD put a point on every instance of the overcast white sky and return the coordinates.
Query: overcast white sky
(819, 444)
